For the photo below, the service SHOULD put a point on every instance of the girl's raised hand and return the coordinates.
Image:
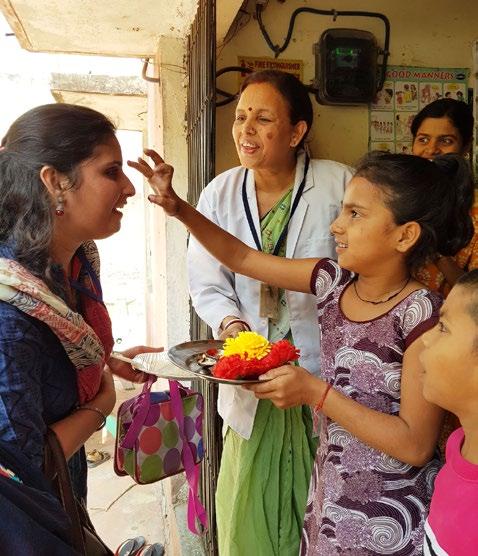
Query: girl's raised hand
(289, 386)
(159, 178)
(289, 274)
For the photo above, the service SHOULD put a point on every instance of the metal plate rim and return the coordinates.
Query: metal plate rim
(181, 353)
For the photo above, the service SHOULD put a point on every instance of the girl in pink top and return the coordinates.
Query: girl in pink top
(450, 360)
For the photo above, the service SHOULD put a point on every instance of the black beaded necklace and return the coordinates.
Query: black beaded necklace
(383, 300)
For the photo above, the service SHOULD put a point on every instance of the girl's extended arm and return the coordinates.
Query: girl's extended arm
(290, 274)
(410, 437)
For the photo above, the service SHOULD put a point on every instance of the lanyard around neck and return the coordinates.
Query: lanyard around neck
(250, 221)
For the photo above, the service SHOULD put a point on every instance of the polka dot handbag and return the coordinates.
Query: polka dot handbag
(159, 434)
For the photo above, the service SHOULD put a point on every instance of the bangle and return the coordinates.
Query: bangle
(320, 405)
(236, 321)
(96, 410)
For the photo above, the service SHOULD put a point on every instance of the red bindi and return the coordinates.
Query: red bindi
(250, 109)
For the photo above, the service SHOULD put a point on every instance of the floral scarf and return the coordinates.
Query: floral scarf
(86, 337)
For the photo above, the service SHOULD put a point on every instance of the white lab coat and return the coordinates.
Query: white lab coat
(217, 292)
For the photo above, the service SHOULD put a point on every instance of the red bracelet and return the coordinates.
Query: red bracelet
(320, 405)
(236, 321)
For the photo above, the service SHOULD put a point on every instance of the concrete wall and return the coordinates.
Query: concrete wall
(426, 33)
(168, 301)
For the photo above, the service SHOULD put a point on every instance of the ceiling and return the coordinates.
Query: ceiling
(119, 28)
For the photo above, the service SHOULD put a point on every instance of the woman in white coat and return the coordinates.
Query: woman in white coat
(281, 202)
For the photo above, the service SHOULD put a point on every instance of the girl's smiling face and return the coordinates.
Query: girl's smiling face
(262, 131)
(365, 231)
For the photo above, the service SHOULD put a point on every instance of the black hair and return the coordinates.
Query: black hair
(457, 111)
(437, 194)
(470, 282)
(293, 91)
(58, 135)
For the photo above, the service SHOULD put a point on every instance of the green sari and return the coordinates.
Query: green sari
(264, 481)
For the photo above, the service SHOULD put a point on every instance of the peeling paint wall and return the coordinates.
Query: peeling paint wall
(168, 300)
(426, 33)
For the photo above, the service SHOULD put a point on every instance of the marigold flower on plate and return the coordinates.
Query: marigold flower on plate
(237, 363)
(249, 345)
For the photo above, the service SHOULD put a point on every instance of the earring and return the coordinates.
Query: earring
(60, 206)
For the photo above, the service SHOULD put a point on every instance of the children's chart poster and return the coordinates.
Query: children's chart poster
(405, 92)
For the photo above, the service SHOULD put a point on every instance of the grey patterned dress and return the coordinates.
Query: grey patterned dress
(361, 501)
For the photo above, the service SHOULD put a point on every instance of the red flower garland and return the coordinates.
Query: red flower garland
(233, 367)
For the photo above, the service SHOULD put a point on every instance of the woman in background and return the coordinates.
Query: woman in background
(446, 126)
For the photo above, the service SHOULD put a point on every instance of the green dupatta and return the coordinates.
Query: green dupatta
(272, 225)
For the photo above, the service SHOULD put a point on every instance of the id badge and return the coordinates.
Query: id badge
(269, 302)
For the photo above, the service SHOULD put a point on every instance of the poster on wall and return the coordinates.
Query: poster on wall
(405, 92)
(296, 67)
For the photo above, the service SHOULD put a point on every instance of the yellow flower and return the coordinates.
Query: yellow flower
(249, 345)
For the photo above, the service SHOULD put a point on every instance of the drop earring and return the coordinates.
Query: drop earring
(60, 206)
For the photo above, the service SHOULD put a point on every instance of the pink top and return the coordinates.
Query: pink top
(451, 527)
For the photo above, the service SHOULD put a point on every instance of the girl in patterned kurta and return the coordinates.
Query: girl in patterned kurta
(375, 467)
(361, 497)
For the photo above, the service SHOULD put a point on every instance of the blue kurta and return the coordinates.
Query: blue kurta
(37, 386)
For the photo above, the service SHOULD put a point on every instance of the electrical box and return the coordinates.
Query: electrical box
(346, 67)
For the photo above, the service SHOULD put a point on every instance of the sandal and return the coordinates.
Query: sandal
(130, 547)
(95, 457)
(156, 549)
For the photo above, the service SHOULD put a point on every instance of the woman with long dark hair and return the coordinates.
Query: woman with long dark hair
(61, 187)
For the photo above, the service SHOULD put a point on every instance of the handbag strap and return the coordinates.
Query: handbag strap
(56, 470)
(196, 510)
(142, 404)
